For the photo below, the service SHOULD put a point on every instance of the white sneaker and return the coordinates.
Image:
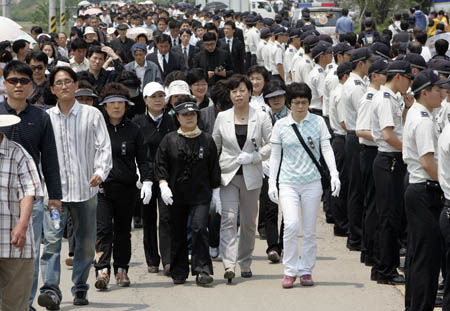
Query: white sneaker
(213, 252)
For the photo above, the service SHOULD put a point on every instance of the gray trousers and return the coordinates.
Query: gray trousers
(236, 199)
(16, 279)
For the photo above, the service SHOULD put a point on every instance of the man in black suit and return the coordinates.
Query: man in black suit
(166, 60)
(229, 16)
(187, 50)
(216, 62)
(234, 46)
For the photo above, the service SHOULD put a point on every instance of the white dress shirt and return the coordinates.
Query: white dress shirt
(160, 59)
(84, 149)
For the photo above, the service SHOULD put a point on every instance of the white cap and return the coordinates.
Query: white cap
(177, 87)
(8, 119)
(151, 88)
(89, 30)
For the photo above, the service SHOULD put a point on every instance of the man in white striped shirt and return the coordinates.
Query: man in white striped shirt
(84, 156)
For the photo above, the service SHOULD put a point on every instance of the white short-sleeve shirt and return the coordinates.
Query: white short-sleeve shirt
(365, 112)
(316, 81)
(355, 88)
(444, 161)
(337, 110)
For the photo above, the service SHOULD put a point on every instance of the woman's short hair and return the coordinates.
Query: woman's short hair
(195, 75)
(237, 79)
(115, 88)
(261, 70)
(296, 90)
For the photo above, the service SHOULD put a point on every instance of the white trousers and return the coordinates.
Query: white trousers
(291, 197)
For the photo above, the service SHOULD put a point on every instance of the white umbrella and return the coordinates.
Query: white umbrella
(84, 3)
(26, 37)
(6, 24)
(430, 42)
(132, 33)
(13, 34)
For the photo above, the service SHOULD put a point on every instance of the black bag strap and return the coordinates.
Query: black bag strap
(308, 151)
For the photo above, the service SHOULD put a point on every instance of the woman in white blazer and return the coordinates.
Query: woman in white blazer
(242, 135)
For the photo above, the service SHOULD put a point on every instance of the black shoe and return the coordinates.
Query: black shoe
(355, 248)
(395, 280)
(167, 270)
(203, 279)
(138, 223)
(439, 301)
(340, 232)
(49, 300)
(178, 280)
(229, 274)
(373, 275)
(370, 262)
(80, 299)
(246, 274)
(330, 220)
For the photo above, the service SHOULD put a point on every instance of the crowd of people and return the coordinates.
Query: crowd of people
(200, 125)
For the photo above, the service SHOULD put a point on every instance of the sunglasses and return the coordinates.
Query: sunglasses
(15, 81)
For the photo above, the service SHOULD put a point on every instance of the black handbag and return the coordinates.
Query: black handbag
(325, 178)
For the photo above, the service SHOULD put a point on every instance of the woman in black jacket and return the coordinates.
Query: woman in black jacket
(187, 162)
(118, 192)
(155, 124)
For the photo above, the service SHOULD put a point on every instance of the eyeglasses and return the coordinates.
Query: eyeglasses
(60, 83)
(200, 84)
(39, 67)
(15, 81)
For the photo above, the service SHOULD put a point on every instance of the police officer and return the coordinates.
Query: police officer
(321, 55)
(338, 205)
(294, 45)
(355, 88)
(277, 57)
(377, 76)
(252, 40)
(389, 169)
(423, 194)
(262, 59)
(303, 66)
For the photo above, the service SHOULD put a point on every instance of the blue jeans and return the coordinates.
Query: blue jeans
(37, 223)
(84, 229)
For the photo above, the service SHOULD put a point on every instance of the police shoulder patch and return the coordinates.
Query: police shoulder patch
(357, 82)
(265, 43)
(369, 95)
(424, 113)
(386, 95)
(320, 70)
(308, 61)
(330, 66)
(291, 50)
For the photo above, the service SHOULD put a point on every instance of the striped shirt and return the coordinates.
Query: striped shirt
(18, 178)
(84, 149)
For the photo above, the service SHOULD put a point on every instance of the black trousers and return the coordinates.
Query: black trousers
(367, 156)
(355, 194)
(150, 230)
(214, 228)
(423, 208)
(114, 215)
(444, 223)
(274, 239)
(388, 172)
(338, 205)
(200, 261)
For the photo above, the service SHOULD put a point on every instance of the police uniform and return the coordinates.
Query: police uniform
(388, 171)
(287, 65)
(423, 203)
(367, 155)
(354, 90)
(338, 205)
(443, 117)
(277, 58)
(302, 68)
(299, 54)
(259, 49)
(331, 81)
(267, 55)
(253, 38)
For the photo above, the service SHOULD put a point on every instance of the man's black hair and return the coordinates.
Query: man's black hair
(18, 67)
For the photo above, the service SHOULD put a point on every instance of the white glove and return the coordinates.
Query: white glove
(217, 201)
(245, 158)
(266, 168)
(273, 192)
(335, 185)
(166, 193)
(146, 192)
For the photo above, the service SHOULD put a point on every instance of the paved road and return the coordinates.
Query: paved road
(342, 284)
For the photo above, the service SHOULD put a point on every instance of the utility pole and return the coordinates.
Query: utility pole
(62, 26)
(52, 16)
(6, 4)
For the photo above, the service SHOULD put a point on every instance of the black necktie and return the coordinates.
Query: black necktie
(185, 55)
(229, 44)
(164, 63)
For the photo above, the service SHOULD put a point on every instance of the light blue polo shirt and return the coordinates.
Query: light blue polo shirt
(296, 165)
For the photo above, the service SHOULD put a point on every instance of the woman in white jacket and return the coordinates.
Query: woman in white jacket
(300, 181)
(242, 135)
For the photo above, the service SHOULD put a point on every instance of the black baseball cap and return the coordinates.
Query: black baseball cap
(281, 31)
(322, 47)
(378, 66)
(186, 107)
(361, 54)
(380, 49)
(341, 48)
(265, 33)
(311, 41)
(344, 68)
(427, 78)
(416, 60)
(442, 66)
(400, 66)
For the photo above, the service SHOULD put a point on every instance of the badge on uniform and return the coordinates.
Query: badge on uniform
(330, 66)
(387, 95)
(308, 61)
(291, 50)
(320, 70)
(357, 82)
(424, 113)
(369, 96)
